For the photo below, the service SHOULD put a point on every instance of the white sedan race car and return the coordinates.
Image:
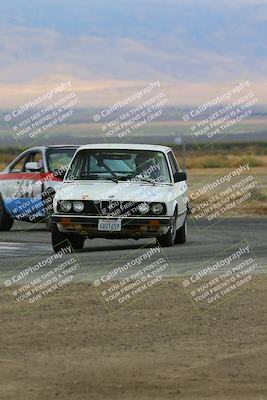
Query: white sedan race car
(121, 191)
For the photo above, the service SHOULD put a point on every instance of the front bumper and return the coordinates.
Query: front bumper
(133, 227)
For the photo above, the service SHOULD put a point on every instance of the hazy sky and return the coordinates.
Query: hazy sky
(119, 42)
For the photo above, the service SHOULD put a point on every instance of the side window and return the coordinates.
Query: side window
(177, 169)
(173, 163)
(20, 164)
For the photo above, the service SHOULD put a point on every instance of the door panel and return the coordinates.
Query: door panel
(24, 190)
(180, 188)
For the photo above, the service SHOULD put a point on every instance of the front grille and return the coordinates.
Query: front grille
(125, 208)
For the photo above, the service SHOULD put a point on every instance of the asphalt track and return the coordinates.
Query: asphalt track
(25, 245)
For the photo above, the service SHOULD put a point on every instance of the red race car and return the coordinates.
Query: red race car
(28, 184)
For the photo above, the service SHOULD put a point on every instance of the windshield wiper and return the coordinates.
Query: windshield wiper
(112, 173)
(125, 178)
(85, 177)
(146, 180)
(92, 178)
(135, 178)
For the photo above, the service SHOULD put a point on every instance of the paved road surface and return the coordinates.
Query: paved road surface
(24, 248)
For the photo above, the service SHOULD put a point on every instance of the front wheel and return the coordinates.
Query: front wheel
(181, 234)
(6, 221)
(61, 240)
(48, 197)
(48, 223)
(168, 239)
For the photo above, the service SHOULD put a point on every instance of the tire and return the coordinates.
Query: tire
(181, 234)
(168, 240)
(48, 198)
(6, 221)
(48, 224)
(77, 242)
(60, 240)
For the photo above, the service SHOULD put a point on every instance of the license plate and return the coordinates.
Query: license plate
(109, 225)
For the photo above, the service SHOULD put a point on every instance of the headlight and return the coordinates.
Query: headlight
(157, 208)
(143, 208)
(65, 206)
(78, 206)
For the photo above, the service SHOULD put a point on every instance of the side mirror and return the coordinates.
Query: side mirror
(32, 166)
(179, 177)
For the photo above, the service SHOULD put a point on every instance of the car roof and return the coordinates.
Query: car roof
(61, 146)
(125, 146)
(41, 148)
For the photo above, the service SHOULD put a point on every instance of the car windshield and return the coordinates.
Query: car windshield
(119, 165)
(58, 159)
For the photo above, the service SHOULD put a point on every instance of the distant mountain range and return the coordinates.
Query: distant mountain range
(189, 45)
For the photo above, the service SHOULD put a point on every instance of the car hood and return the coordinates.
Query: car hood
(122, 191)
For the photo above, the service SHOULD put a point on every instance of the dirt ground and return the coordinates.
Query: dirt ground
(158, 348)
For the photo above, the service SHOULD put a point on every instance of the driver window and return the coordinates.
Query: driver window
(174, 162)
(20, 164)
(173, 167)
